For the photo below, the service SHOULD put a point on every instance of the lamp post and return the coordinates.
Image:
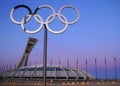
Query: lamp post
(45, 23)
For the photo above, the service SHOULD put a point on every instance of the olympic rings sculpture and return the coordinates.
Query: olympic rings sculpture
(39, 19)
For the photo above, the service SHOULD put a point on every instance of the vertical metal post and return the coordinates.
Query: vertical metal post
(77, 68)
(51, 70)
(106, 68)
(59, 67)
(29, 70)
(45, 55)
(86, 70)
(68, 67)
(115, 68)
(3, 69)
(96, 68)
(59, 63)
(36, 68)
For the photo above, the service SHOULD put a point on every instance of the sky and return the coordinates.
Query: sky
(95, 35)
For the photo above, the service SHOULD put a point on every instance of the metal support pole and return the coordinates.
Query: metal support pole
(77, 68)
(115, 68)
(45, 55)
(59, 63)
(59, 67)
(68, 67)
(106, 68)
(96, 68)
(86, 70)
(51, 70)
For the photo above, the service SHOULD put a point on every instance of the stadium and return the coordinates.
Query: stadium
(54, 73)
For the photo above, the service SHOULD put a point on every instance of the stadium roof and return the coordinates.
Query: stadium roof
(54, 72)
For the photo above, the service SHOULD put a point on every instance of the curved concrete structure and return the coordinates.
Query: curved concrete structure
(54, 72)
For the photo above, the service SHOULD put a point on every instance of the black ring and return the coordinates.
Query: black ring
(36, 10)
(24, 6)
